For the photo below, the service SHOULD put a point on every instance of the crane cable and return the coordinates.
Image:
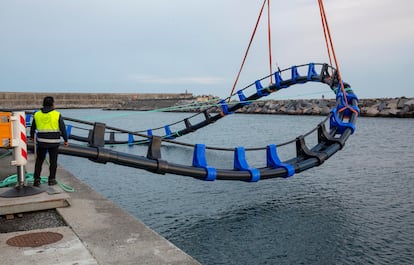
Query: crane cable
(269, 37)
(325, 34)
(247, 50)
(330, 47)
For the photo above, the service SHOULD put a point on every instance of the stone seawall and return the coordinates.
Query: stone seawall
(381, 107)
(385, 107)
(30, 101)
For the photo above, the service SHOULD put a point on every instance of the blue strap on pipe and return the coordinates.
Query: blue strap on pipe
(130, 139)
(149, 134)
(274, 161)
(311, 71)
(225, 107)
(340, 97)
(68, 130)
(336, 122)
(199, 160)
(295, 74)
(279, 80)
(259, 89)
(296, 77)
(168, 133)
(349, 99)
(242, 98)
(240, 163)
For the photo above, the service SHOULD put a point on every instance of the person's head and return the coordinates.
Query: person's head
(48, 102)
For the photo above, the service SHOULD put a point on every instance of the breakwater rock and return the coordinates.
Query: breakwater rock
(380, 107)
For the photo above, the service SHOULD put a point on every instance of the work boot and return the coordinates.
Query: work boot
(36, 183)
(52, 182)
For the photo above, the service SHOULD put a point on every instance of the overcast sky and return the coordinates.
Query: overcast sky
(174, 46)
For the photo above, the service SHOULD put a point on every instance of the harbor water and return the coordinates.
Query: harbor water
(356, 208)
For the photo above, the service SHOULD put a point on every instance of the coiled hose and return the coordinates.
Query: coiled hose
(12, 181)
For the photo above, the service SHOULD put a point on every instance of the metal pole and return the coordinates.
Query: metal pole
(21, 176)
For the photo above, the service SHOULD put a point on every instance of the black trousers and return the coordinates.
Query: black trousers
(40, 158)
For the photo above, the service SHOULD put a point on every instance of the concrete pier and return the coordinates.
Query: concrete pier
(137, 101)
(96, 232)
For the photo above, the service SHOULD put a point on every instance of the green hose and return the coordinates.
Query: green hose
(12, 181)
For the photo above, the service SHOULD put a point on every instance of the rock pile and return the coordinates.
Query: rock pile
(387, 107)
(380, 107)
(291, 107)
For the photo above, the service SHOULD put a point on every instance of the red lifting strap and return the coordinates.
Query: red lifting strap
(247, 50)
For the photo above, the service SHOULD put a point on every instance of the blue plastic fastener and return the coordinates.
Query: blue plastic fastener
(295, 73)
(259, 89)
(149, 134)
(336, 122)
(340, 97)
(279, 80)
(311, 71)
(168, 133)
(242, 98)
(68, 130)
(130, 139)
(199, 160)
(225, 107)
(349, 99)
(273, 160)
(240, 163)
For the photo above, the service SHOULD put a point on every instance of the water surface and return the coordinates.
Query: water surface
(356, 208)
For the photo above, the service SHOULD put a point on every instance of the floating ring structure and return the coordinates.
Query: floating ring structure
(342, 119)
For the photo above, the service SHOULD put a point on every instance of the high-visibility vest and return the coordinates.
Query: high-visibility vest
(47, 125)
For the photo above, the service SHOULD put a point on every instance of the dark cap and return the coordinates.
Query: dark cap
(48, 102)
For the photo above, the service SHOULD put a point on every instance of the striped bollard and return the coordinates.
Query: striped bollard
(19, 144)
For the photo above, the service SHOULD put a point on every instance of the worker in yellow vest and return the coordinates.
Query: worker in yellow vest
(49, 126)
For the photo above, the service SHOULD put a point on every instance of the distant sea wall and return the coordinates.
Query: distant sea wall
(381, 107)
(31, 101)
